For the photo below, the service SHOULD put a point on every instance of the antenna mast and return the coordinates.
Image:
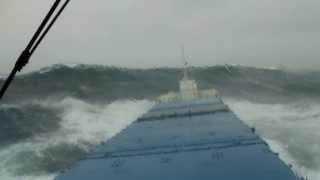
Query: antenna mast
(185, 63)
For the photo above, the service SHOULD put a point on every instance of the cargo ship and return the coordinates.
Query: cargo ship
(190, 134)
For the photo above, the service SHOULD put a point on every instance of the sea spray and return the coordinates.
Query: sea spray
(82, 126)
(292, 130)
(93, 124)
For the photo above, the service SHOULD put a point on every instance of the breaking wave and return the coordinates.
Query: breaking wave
(54, 116)
(292, 130)
(81, 126)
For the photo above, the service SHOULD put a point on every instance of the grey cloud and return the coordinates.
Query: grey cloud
(148, 33)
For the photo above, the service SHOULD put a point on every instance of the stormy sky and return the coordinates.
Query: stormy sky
(149, 33)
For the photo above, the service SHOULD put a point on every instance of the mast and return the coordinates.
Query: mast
(185, 63)
(188, 87)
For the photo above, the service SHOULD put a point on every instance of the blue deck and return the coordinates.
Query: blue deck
(199, 139)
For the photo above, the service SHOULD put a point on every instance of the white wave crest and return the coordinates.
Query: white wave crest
(83, 122)
(292, 130)
(83, 125)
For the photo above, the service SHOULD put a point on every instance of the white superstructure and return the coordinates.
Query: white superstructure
(188, 90)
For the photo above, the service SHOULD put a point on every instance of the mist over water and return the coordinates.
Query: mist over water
(53, 117)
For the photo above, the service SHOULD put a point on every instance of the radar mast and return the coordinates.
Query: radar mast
(188, 87)
(185, 63)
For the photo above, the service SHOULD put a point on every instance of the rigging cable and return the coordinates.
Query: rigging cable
(37, 38)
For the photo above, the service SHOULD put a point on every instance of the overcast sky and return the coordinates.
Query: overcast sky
(149, 33)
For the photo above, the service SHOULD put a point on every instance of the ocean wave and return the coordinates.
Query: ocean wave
(292, 130)
(96, 83)
(48, 120)
(81, 126)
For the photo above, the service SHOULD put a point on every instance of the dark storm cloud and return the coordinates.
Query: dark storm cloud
(147, 33)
